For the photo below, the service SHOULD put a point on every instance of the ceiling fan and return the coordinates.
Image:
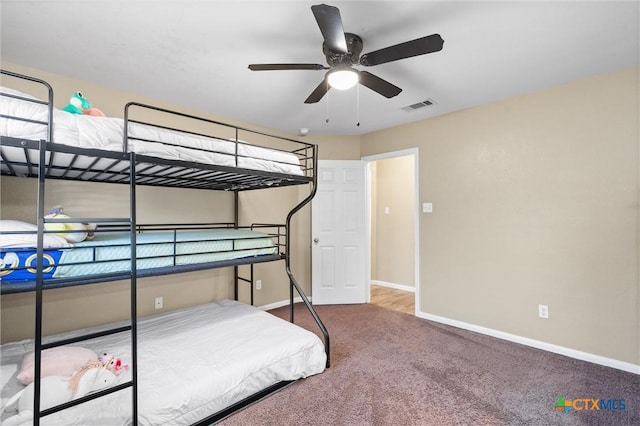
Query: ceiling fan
(342, 51)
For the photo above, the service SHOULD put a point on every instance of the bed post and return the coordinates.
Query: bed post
(236, 224)
(42, 171)
(292, 279)
(133, 285)
(39, 285)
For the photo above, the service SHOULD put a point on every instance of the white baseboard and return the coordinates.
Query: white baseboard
(572, 353)
(393, 285)
(280, 304)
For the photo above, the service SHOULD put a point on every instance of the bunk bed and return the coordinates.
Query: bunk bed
(231, 354)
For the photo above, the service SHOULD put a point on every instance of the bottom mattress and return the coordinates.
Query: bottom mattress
(191, 363)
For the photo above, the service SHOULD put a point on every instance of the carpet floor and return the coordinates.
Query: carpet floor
(391, 368)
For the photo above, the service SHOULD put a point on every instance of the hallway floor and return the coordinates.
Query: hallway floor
(390, 298)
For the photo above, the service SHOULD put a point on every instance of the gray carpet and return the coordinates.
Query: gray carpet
(390, 368)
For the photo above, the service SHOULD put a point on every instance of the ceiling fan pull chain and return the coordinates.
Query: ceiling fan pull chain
(357, 105)
(327, 119)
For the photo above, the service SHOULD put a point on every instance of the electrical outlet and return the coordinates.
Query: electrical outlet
(259, 285)
(159, 302)
(543, 311)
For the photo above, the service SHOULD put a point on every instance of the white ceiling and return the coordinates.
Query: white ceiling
(196, 53)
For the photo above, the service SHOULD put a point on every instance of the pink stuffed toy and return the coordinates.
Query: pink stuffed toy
(93, 111)
(113, 364)
(56, 390)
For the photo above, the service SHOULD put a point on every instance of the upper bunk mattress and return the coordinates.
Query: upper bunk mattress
(191, 363)
(107, 133)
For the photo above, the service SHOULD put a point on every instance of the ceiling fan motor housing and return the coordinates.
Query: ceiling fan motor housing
(351, 57)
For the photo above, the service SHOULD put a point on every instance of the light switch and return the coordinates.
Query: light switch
(427, 207)
(387, 210)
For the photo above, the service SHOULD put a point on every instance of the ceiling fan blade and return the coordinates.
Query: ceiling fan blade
(419, 46)
(330, 23)
(379, 85)
(281, 67)
(318, 92)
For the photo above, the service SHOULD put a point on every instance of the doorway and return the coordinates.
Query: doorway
(393, 223)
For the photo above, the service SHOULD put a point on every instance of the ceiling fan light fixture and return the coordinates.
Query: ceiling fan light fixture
(342, 79)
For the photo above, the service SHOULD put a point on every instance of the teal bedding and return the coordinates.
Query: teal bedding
(112, 252)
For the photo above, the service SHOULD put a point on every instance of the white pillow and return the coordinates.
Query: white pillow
(27, 240)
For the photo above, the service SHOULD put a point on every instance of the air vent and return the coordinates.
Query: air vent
(413, 107)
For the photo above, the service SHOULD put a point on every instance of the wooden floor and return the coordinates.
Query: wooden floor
(390, 298)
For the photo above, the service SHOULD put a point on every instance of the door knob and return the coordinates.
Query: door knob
(316, 240)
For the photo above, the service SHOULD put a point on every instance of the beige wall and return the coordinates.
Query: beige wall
(109, 302)
(535, 202)
(393, 253)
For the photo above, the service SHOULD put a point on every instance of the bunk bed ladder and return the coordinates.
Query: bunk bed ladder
(39, 346)
(292, 279)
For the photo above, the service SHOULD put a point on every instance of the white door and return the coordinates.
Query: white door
(338, 233)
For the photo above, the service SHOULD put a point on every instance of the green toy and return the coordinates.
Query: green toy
(77, 104)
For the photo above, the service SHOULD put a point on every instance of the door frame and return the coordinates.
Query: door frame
(416, 229)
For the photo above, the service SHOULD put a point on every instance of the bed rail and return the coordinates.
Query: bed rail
(209, 155)
(222, 141)
(218, 131)
(48, 104)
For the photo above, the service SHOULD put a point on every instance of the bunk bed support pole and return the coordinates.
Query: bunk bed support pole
(236, 223)
(292, 279)
(134, 265)
(251, 281)
(291, 303)
(39, 285)
(42, 171)
(134, 285)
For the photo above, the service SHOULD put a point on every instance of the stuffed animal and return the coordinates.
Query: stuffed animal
(94, 112)
(72, 232)
(76, 379)
(113, 364)
(55, 390)
(77, 104)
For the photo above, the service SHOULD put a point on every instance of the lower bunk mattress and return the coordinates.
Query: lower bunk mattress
(192, 363)
(111, 252)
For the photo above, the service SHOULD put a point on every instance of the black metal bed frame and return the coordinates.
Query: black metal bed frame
(40, 159)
